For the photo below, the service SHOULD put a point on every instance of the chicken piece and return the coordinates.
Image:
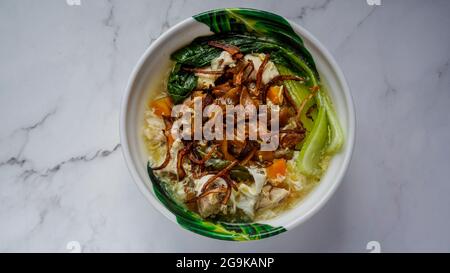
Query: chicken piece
(271, 197)
(209, 205)
(270, 70)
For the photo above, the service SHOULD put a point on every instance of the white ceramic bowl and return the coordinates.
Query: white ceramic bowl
(147, 75)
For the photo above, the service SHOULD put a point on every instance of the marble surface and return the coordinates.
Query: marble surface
(63, 71)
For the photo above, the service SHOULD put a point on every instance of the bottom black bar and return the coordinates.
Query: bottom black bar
(221, 262)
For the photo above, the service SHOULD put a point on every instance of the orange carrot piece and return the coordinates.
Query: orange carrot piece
(162, 106)
(277, 169)
(275, 94)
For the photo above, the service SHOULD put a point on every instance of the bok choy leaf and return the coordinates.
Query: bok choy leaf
(180, 84)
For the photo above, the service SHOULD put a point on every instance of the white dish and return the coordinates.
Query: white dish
(148, 74)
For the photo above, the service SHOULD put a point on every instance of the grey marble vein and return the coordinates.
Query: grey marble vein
(358, 26)
(101, 153)
(443, 69)
(40, 122)
(317, 6)
(110, 22)
(13, 161)
(390, 89)
(165, 24)
(18, 160)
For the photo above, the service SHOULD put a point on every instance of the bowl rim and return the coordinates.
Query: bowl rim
(305, 34)
(349, 137)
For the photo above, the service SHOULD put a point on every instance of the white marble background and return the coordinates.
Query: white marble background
(63, 70)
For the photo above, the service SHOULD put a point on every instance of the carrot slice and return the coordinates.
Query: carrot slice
(162, 106)
(277, 169)
(275, 94)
